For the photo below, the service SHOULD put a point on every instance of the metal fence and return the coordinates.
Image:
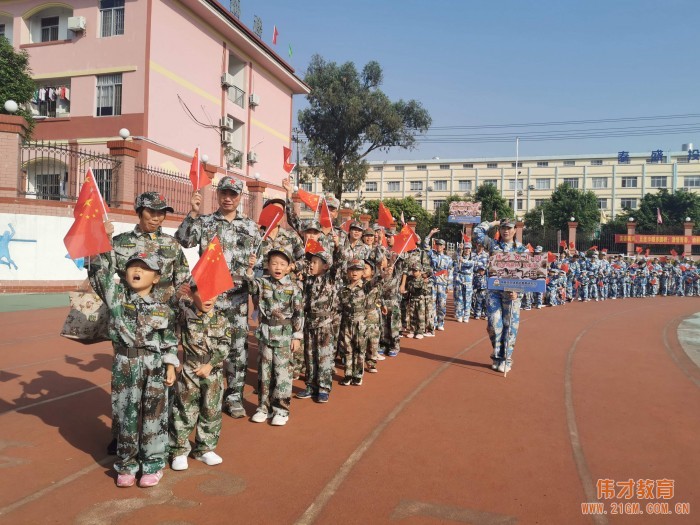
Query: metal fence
(52, 171)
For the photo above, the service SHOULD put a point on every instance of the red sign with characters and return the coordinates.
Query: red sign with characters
(658, 239)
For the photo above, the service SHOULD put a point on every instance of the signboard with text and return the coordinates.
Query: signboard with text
(657, 239)
(518, 272)
(465, 212)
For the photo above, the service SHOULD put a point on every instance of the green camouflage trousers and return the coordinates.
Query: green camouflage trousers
(275, 371)
(372, 332)
(319, 347)
(197, 404)
(353, 343)
(300, 364)
(417, 309)
(140, 409)
(391, 327)
(236, 363)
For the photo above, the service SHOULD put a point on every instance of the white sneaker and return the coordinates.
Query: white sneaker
(381, 357)
(429, 334)
(441, 328)
(494, 366)
(460, 319)
(466, 319)
(502, 366)
(507, 367)
(279, 420)
(210, 458)
(539, 307)
(179, 463)
(260, 417)
(419, 336)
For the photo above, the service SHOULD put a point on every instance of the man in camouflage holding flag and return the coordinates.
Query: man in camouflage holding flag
(240, 238)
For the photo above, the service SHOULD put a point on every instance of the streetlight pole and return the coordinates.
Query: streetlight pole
(515, 188)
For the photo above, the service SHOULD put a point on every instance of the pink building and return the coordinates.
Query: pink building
(144, 65)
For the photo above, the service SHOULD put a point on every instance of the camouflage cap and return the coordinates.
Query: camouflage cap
(538, 249)
(467, 245)
(270, 202)
(389, 232)
(150, 259)
(356, 264)
(153, 201)
(311, 224)
(332, 201)
(507, 223)
(370, 264)
(376, 227)
(229, 183)
(323, 255)
(440, 242)
(368, 232)
(354, 225)
(415, 267)
(281, 250)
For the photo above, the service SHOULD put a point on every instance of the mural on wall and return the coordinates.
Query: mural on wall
(5, 240)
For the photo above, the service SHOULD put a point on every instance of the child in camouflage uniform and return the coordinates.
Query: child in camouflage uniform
(145, 347)
(480, 285)
(205, 333)
(418, 296)
(321, 287)
(373, 304)
(279, 334)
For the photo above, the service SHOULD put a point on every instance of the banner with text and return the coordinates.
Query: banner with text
(518, 272)
(464, 212)
(657, 239)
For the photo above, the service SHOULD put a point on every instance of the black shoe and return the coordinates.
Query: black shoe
(112, 448)
(356, 381)
(306, 393)
(322, 397)
(346, 381)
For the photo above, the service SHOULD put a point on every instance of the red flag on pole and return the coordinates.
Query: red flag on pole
(288, 166)
(384, 217)
(313, 247)
(87, 235)
(497, 235)
(563, 244)
(346, 226)
(197, 174)
(551, 257)
(530, 248)
(592, 248)
(211, 273)
(404, 241)
(638, 249)
(275, 34)
(663, 259)
(466, 238)
(309, 199)
(270, 217)
(325, 216)
(565, 267)
(674, 253)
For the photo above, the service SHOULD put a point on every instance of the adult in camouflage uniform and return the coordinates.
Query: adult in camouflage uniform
(239, 238)
(145, 347)
(321, 286)
(279, 334)
(391, 298)
(206, 335)
(354, 247)
(148, 237)
(502, 308)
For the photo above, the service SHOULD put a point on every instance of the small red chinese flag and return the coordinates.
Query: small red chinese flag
(346, 226)
(647, 252)
(309, 199)
(674, 253)
(211, 273)
(563, 244)
(565, 267)
(288, 166)
(325, 216)
(313, 247)
(405, 240)
(572, 245)
(87, 235)
(198, 176)
(466, 238)
(384, 217)
(638, 249)
(592, 248)
(551, 257)
(270, 217)
(275, 34)
(383, 241)
(604, 250)
(497, 236)
(530, 248)
(442, 273)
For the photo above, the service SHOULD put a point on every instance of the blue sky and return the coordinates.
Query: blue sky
(475, 63)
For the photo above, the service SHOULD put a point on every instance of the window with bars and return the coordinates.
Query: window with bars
(598, 183)
(468, 165)
(306, 186)
(399, 168)
(691, 182)
(378, 168)
(103, 177)
(465, 185)
(512, 164)
(511, 184)
(542, 163)
(658, 182)
(52, 100)
(438, 204)
(628, 203)
(48, 186)
(370, 186)
(492, 182)
(422, 167)
(629, 182)
(440, 185)
(492, 164)
(393, 186)
(573, 183)
(109, 95)
(597, 162)
(543, 184)
(569, 163)
(111, 17)
(602, 204)
(444, 166)
(417, 185)
(540, 202)
(49, 29)
(520, 203)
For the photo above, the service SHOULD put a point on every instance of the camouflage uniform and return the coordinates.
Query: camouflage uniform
(326, 239)
(418, 297)
(281, 321)
(373, 303)
(391, 298)
(441, 264)
(239, 239)
(205, 339)
(141, 331)
(321, 307)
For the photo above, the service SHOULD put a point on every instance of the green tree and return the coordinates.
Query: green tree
(492, 201)
(410, 208)
(450, 232)
(15, 80)
(564, 203)
(349, 117)
(674, 208)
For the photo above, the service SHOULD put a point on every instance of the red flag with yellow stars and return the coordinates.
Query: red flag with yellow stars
(384, 217)
(313, 247)
(87, 236)
(325, 216)
(309, 199)
(286, 165)
(211, 273)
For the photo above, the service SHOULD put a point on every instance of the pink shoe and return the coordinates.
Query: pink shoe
(126, 480)
(150, 480)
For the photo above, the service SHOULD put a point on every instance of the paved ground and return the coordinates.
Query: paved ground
(12, 302)
(598, 391)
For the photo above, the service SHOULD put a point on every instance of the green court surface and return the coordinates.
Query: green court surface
(12, 302)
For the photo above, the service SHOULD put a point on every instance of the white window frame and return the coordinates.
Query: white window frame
(691, 181)
(569, 163)
(628, 182)
(393, 185)
(416, 185)
(399, 168)
(631, 200)
(440, 185)
(468, 165)
(111, 18)
(492, 165)
(370, 186)
(437, 204)
(422, 167)
(109, 94)
(464, 185)
(599, 183)
(543, 184)
(542, 163)
(602, 203)
(511, 184)
(51, 30)
(571, 181)
(492, 182)
(596, 162)
(656, 180)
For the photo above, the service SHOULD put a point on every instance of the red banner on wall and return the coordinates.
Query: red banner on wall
(658, 239)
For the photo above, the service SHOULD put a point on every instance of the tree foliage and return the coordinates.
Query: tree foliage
(564, 203)
(450, 232)
(410, 208)
(492, 201)
(674, 208)
(15, 80)
(349, 117)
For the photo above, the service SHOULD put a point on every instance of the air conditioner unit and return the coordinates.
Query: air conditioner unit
(76, 24)
(520, 193)
(226, 137)
(252, 157)
(224, 124)
(227, 80)
(254, 99)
